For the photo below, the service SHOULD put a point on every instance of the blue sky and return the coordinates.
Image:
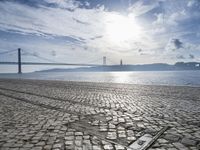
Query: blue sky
(137, 31)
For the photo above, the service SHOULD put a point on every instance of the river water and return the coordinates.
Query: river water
(182, 78)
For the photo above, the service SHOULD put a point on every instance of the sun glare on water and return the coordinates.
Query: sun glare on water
(122, 29)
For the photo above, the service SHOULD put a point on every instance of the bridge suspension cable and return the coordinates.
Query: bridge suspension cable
(113, 62)
(8, 51)
(35, 55)
(50, 62)
(94, 61)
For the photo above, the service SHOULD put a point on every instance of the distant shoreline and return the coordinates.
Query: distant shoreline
(179, 66)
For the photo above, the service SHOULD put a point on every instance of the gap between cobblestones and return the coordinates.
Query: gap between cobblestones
(182, 130)
(53, 107)
(73, 123)
(84, 125)
(63, 100)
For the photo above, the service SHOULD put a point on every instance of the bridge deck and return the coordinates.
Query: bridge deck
(50, 64)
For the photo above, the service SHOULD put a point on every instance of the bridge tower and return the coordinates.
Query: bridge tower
(104, 60)
(19, 61)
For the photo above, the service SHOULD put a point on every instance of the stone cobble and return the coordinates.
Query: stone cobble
(57, 115)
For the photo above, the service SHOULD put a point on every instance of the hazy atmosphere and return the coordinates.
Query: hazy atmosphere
(83, 31)
(99, 74)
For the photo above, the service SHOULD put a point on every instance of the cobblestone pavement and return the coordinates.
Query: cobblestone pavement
(93, 116)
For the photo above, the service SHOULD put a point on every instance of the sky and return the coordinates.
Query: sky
(83, 31)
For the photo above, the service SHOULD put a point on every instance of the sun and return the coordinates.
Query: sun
(122, 28)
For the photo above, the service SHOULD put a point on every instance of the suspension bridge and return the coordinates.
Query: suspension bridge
(20, 63)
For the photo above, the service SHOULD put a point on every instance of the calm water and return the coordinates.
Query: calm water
(189, 78)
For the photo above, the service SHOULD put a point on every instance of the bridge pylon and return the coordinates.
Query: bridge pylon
(19, 61)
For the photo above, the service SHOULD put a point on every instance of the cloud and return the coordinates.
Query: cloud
(81, 22)
(56, 23)
(139, 50)
(176, 49)
(173, 45)
(176, 17)
(96, 37)
(71, 27)
(177, 43)
(53, 53)
(191, 56)
(87, 4)
(52, 21)
(159, 19)
(192, 3)
(180, 57)
(139, 8)
(172, 19)
(65, 4)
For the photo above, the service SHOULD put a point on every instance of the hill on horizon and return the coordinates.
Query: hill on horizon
(143, 67)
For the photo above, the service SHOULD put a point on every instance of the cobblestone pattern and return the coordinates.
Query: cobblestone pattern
(92, 116)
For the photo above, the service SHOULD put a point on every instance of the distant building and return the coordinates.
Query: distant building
(121, 63)
(104, 60)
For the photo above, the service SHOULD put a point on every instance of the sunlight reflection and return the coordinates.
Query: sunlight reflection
(121, 77)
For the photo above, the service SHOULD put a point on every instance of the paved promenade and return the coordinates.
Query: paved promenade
(97, 116)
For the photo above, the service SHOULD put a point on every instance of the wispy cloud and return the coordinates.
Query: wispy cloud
(139, 8)
(72, 25)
